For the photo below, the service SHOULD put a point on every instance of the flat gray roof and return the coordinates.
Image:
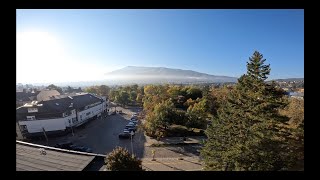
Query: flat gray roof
(28, 158)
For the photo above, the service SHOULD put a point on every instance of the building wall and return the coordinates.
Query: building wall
(60, 124)
(84, 115)
(19, 134)
(57, 124)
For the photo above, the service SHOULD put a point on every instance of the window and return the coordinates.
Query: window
(69, 121)
(30, 118)
(65, 114)
(30, 110)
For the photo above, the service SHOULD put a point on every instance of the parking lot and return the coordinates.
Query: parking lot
(101, 134)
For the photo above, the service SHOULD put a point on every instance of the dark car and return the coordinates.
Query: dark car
(124, 135)
(130, 126)
(81, 148)
(130, 129)
(64, 145)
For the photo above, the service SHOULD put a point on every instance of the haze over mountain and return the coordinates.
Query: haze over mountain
(164, 75)
(155, 75)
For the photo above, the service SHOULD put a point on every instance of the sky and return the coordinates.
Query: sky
(83, 45)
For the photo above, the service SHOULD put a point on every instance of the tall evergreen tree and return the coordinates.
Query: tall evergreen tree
(248, 132)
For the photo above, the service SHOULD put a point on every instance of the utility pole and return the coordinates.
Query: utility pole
(72, 129)
(131, 133)
(45, 135)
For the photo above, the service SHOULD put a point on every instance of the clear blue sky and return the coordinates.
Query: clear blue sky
(83, 44)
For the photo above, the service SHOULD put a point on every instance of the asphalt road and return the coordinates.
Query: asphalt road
(101, 134)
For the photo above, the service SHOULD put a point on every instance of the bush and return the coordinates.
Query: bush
(178, 130)
(121, 160)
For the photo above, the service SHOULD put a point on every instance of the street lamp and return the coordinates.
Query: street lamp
(131, 133)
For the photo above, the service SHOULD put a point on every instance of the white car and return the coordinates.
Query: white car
(132, 124)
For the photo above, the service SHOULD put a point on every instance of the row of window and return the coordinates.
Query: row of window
(73, 120)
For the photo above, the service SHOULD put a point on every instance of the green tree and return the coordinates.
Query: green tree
(139, 98)
(216, 97)
(160, 118)
(193, 93)
(121, 160)
(164, 113)
(197, 115)
(113, 94)
(133, 96)
(122, 98)
(54, 87)
(91, 89)
(103, 90)
(295, 111)
(248, 132)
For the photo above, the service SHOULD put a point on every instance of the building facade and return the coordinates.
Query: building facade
(58, 115)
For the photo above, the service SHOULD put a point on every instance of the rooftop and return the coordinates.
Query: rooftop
(29, 158)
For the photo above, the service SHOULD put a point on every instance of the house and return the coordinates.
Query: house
(33, 157)
(297, 95)
(24, 97)
(59, 115)
(45, 95)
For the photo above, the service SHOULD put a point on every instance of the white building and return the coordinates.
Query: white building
(59, 114)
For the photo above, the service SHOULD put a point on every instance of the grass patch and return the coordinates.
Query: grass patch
(180, 131)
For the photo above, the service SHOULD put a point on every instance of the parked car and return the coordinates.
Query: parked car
(120, 111)
(64, 145)
(124, 135)
(81, 148)
(133, 121)
(113, 113)
(130, 126)
(134, 116)
(129, 129)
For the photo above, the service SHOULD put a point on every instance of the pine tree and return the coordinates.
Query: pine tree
(248, 133)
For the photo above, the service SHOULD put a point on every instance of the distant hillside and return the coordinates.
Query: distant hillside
(165, 75)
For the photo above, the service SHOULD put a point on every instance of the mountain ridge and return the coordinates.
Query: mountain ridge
(165, 73)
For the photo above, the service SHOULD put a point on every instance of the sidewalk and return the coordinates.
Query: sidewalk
(172, 164)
